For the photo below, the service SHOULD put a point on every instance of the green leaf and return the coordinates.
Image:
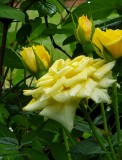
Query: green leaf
(11, 13)
(59, 7)
(4, 1)
(85, 148)
(25, 4)
(109, 23)
(45, 136)
(10, 141)
(28, 138)
(79, 11)
(11, 39)
(46, 8)
(52, 126)
(34, 119)
(13, 109)
(115, 138)
(23, 34)
(52, 31)
(12, 60)
(37, 145)
(99, 119)
(3, 114)
(105, 9)
(19, 157)
(34, 155)
(18, 76)
(8, 150)
(5, 132)
(95, 9)
(18, 119)
(37, 29)
(81, 125)
(69, 40)
(58, 151)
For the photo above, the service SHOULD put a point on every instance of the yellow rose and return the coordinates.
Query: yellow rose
(110, 39)
(84, 29)
(58, 93)
(30, 56)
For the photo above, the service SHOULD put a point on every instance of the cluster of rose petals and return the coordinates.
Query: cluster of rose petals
(58, 93)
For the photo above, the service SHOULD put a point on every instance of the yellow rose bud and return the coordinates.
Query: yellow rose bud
(84, 29)
(34, 57)
(110, 39)
(59, 91)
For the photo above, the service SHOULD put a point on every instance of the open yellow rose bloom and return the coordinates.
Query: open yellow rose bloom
(110, 39)
(58, 93)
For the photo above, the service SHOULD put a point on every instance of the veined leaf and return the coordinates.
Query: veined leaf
(46, 8)
(9, 141)
(86, 148)
(11, 13)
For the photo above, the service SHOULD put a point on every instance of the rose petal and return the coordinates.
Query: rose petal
(103, 70)
(61, 112)
(100, 95)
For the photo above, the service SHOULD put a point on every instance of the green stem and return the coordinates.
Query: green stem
(93, 128)
(68, 12)
(70, 137)
(116, 112)
(53, 41)
(66, 144)
(4, 95)
(106, 131)
(2, 49)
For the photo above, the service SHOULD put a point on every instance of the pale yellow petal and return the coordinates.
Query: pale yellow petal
(62, 97)
(100, 95)
(32, 92)
(47, 83)
(56, 87)
(76, 79)
(106, 82)
(99, 63)
(62, 113)
(35, 106)
(86, 62)
(74, 90)
(103, 70)
(87, 88)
